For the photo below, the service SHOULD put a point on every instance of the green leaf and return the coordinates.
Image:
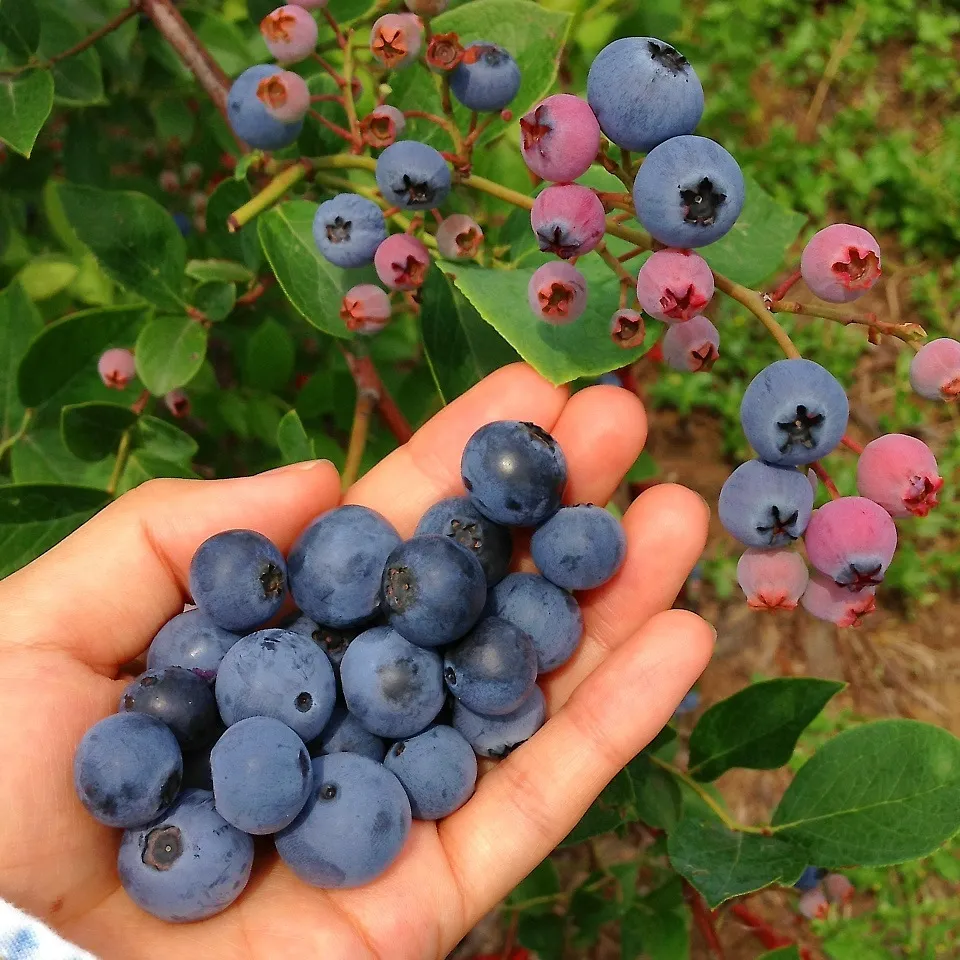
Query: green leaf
(242, 246)
(169, 352)
(92, 431)
(77, 79)
(656, 935)
(295, 446)
(163, 440)
(312, 284)
(881, 793)
(460, 347)
(173, 119)
(758, 242)
(215, 299)
(47, 275)
(269, 357)
(664, 738)
(543, 935)
(19, 28)
(72, 346)
(658, 800)
(589, 912)
(133, 238)
(615, 806)
(41, 457)
(784, 953)
(33, 517)
(644, 468)
(560, 353)
(724, 863)
(25, 103)
(542, 884)
(224, 271)
(757, 727)
(19, 323)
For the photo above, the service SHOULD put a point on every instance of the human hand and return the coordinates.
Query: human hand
(76, 616)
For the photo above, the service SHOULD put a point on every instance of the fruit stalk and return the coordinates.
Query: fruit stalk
(269, 195)
(367, 379)
(366, 401)
(908, 332)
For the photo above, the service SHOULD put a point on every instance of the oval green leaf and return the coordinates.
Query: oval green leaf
(295, 446)
(169, 352)
(92, 431)
(25, 103)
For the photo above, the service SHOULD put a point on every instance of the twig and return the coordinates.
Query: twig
(366, 401)
(356, 137)
(268, 196)
(337, 78)
(123, 454)
(908, 332)
(780, 292)
(256, 291)
(826, 480)
(367, 379)
(754, 302)
(703, 917)
(334, 128)
(342, 41)
(770, 939)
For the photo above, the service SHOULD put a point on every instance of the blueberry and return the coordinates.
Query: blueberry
(674, 285)
(827, 600)
(900, 473)
(691, 347)
(333, 641)
(192, 640)
(841, 263)
(336, 565)
(459, 237)
(560, 138)
(261, 775)
(810, 878)
(348, 229)
(437, 769)
(413, 175)
(765, 506)
(688, 192)
(238, 579)
(557, 293)
(286, 96)
(935, 370)
(579, 548)
(395, 39)
(276, 673)
(794, 412)
(345, 734)
(433, 590)
(627, 329)
(493, 668)
(568, 220)
(497, 737)
(127, 769)
(188, 864)
(365, 309)
(353, 826)
(514, 472)
(486, 79)
(550, 616)
(248, 115)
(393, 687)
(180, 699)
(402, 262)
(459, 519)
(643, 92)
(772, 579)
(290, 33)
(117, 366)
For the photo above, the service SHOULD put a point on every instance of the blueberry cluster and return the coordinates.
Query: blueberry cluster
(406, 660)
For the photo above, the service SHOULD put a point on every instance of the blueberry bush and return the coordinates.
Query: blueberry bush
(236, 236)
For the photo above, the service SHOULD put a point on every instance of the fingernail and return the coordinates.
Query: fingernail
(302, 466)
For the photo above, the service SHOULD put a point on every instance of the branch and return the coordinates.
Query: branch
(366, 401)
(269, 195)
(755, 303)
(367, 379)
(908, 332)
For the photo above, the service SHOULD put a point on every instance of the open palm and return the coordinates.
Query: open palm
(73, 618)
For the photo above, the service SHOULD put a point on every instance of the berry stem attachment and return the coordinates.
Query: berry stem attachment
(908, 332)
(367, 379)
(269, 195)
(826, 480)
(780, 292)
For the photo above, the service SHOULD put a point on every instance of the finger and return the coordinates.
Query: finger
(540, 792)
(666, 531)
(105, 591)
(427, 468)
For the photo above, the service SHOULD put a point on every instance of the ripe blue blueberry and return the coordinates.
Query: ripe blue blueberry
(333, 641)
(261, 775)
(353, 826)
(643, 92)
(180, 699)
(413, 175)
(127, 769)
(348, 229)
(459, 519)
(249, 117)
(437, 769)
(579, 548)
(486, 79)
(336, 565)
(192, 640)
(765, 506)
(492, 668)
(688, 192)
(187, 865)
(276, 673)
(794, 412)
(496, 737)
(810, 878)
(514, 472)
(238, 578)
(393, 687)
(550, 616)
(433, 590)
(345, 734)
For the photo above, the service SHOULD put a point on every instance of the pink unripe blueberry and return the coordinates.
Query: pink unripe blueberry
(310, 4)
(692, 346)
(841, 263)
(557, 293)
(901, 474)
(627, 329)
(674, 285)
(825, 600)
(285, 95)
(568, 220)
(365, 308)
(838, 888)
(169, 181)
(935, 370)
(178, 403)
(851, 540)
(402, 262)
(190, 173)
(395, 39)
(426, 8)
(813, 904)
(382, 125)
(290, 33)
(199, 201)
(116, 368)
(560, 138)
(772, 579)
(459, 237)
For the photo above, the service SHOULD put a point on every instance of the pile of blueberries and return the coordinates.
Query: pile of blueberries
(406, 661)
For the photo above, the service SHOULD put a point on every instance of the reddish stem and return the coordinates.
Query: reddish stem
(340, 81)
(327, 98)
(255, 292)
(704, 919)
(852, 444)
(780, 292)
(332, 127)
(367, 379)
(140, 404)
(827, 480)
(771, 939)
(341, 40)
